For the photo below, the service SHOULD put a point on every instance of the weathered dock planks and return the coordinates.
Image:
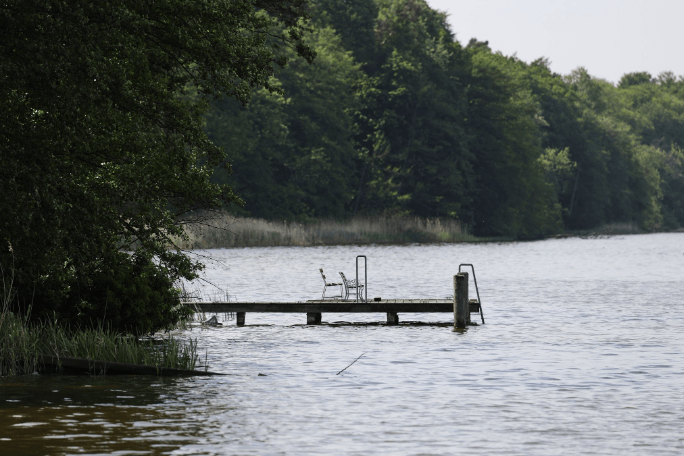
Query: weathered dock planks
(314, 308)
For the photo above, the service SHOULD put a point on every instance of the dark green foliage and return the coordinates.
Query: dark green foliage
(628, 146)
(414, 124)
(413, 118)
(128, 293)
(102, 149)
(654, 112)
(513, 198)
(354, 22)
(633, 79)
(294, 156)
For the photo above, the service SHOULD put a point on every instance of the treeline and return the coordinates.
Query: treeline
(103, 153)
(396, 117)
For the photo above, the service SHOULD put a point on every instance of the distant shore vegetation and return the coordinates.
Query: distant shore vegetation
(228, 230)
(398, 117)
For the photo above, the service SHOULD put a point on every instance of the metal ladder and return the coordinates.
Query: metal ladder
(365, 272)
(479, 303)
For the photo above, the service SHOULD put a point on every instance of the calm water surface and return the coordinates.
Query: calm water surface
(581, 354)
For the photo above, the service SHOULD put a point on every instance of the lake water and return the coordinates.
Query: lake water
(582, 353)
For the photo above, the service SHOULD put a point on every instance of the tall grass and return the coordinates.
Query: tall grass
(18, 344)
(103, 344)
(21, 342)
(225, 230)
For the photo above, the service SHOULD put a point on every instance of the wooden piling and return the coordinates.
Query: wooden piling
(240, 318)
(461, 307)
(392, 318)
(313, 318)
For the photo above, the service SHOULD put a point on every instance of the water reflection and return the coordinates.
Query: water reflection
(83, 414)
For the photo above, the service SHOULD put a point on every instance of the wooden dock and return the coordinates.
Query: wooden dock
(314, 308)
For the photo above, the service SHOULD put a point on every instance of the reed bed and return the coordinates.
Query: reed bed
(105, 345)
(610, 229)
(19, 346)
(21, 343)
(225, 230)
(18, 343)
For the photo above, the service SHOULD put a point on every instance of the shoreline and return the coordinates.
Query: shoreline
(228, 231)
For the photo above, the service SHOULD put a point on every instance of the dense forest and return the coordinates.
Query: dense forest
(119, 121)
(396, 117)
(103, 152)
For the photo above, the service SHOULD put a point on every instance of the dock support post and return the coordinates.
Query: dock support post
(392, 318)
(240, 318)
(313, 318)
(461, 307)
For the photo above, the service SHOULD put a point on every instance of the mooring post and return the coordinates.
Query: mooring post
(392, 318)
(461, 307)
(313, 318)
(240, 318)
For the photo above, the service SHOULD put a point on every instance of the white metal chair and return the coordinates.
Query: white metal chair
(350, 285)
(326, 285)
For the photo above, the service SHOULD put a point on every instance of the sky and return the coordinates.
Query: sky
(607, 37)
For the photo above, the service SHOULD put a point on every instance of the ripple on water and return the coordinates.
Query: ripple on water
(581, 354)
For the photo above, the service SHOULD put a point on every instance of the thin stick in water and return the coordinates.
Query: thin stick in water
(350, 364)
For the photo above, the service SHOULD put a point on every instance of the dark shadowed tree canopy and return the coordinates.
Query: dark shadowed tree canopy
(396, 117)
(102, 148)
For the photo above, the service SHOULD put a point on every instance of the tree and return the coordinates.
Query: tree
(619, 180)
(633, 79)
(102, 148)
(512, 196)
(294, 155)
(412, 121)
(655, 114)
(354, 21)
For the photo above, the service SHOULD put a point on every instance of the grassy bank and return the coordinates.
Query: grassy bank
(21, 343)
(226, 230)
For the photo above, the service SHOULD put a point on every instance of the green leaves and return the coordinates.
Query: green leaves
(413, 117)
(395, 117)
(294, 156)
(102, 151)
